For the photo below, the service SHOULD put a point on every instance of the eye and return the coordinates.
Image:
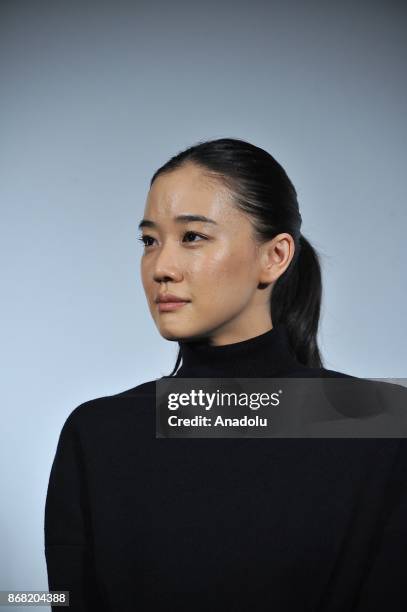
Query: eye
(190, 233)
(144, 239)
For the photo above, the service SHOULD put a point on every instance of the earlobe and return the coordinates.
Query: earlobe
(269, 275)
(269, 272)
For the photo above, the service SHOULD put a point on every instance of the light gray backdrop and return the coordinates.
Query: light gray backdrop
(95, 97)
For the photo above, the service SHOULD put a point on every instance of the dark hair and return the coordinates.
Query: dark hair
(261, 188)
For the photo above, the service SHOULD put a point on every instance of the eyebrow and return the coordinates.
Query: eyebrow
(178, 219)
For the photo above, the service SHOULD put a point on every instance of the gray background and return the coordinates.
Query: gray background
(95, 97)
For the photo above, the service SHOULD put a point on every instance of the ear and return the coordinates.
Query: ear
(275, 256)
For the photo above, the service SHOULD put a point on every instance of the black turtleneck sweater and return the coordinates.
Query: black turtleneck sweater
(135, 523)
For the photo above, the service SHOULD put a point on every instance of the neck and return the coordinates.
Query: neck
(249, 330)
(264, 355)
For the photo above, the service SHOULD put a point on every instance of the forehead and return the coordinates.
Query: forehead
(188, 190)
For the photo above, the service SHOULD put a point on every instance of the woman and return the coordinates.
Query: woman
(136, 522)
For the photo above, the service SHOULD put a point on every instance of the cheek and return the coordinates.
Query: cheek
(146, 271)
(144, 277)
(225, 275)
(148, 286)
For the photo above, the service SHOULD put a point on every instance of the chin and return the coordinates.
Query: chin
(172, 332)
(169, 336)
(179, 333)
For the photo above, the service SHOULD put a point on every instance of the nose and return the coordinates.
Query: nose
(166, 267)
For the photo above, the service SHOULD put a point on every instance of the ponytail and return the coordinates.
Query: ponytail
(296, 302)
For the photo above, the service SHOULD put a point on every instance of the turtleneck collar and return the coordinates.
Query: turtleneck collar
(268, 354)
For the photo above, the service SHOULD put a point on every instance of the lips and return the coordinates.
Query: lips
(170, 306)
(169, 298)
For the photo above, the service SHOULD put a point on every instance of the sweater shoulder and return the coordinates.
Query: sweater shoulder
(106, 407)
(301, 371)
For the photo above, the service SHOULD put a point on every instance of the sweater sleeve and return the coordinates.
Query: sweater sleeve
(68, 543)
(384, 586)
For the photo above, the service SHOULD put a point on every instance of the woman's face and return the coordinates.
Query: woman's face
(214, 265)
